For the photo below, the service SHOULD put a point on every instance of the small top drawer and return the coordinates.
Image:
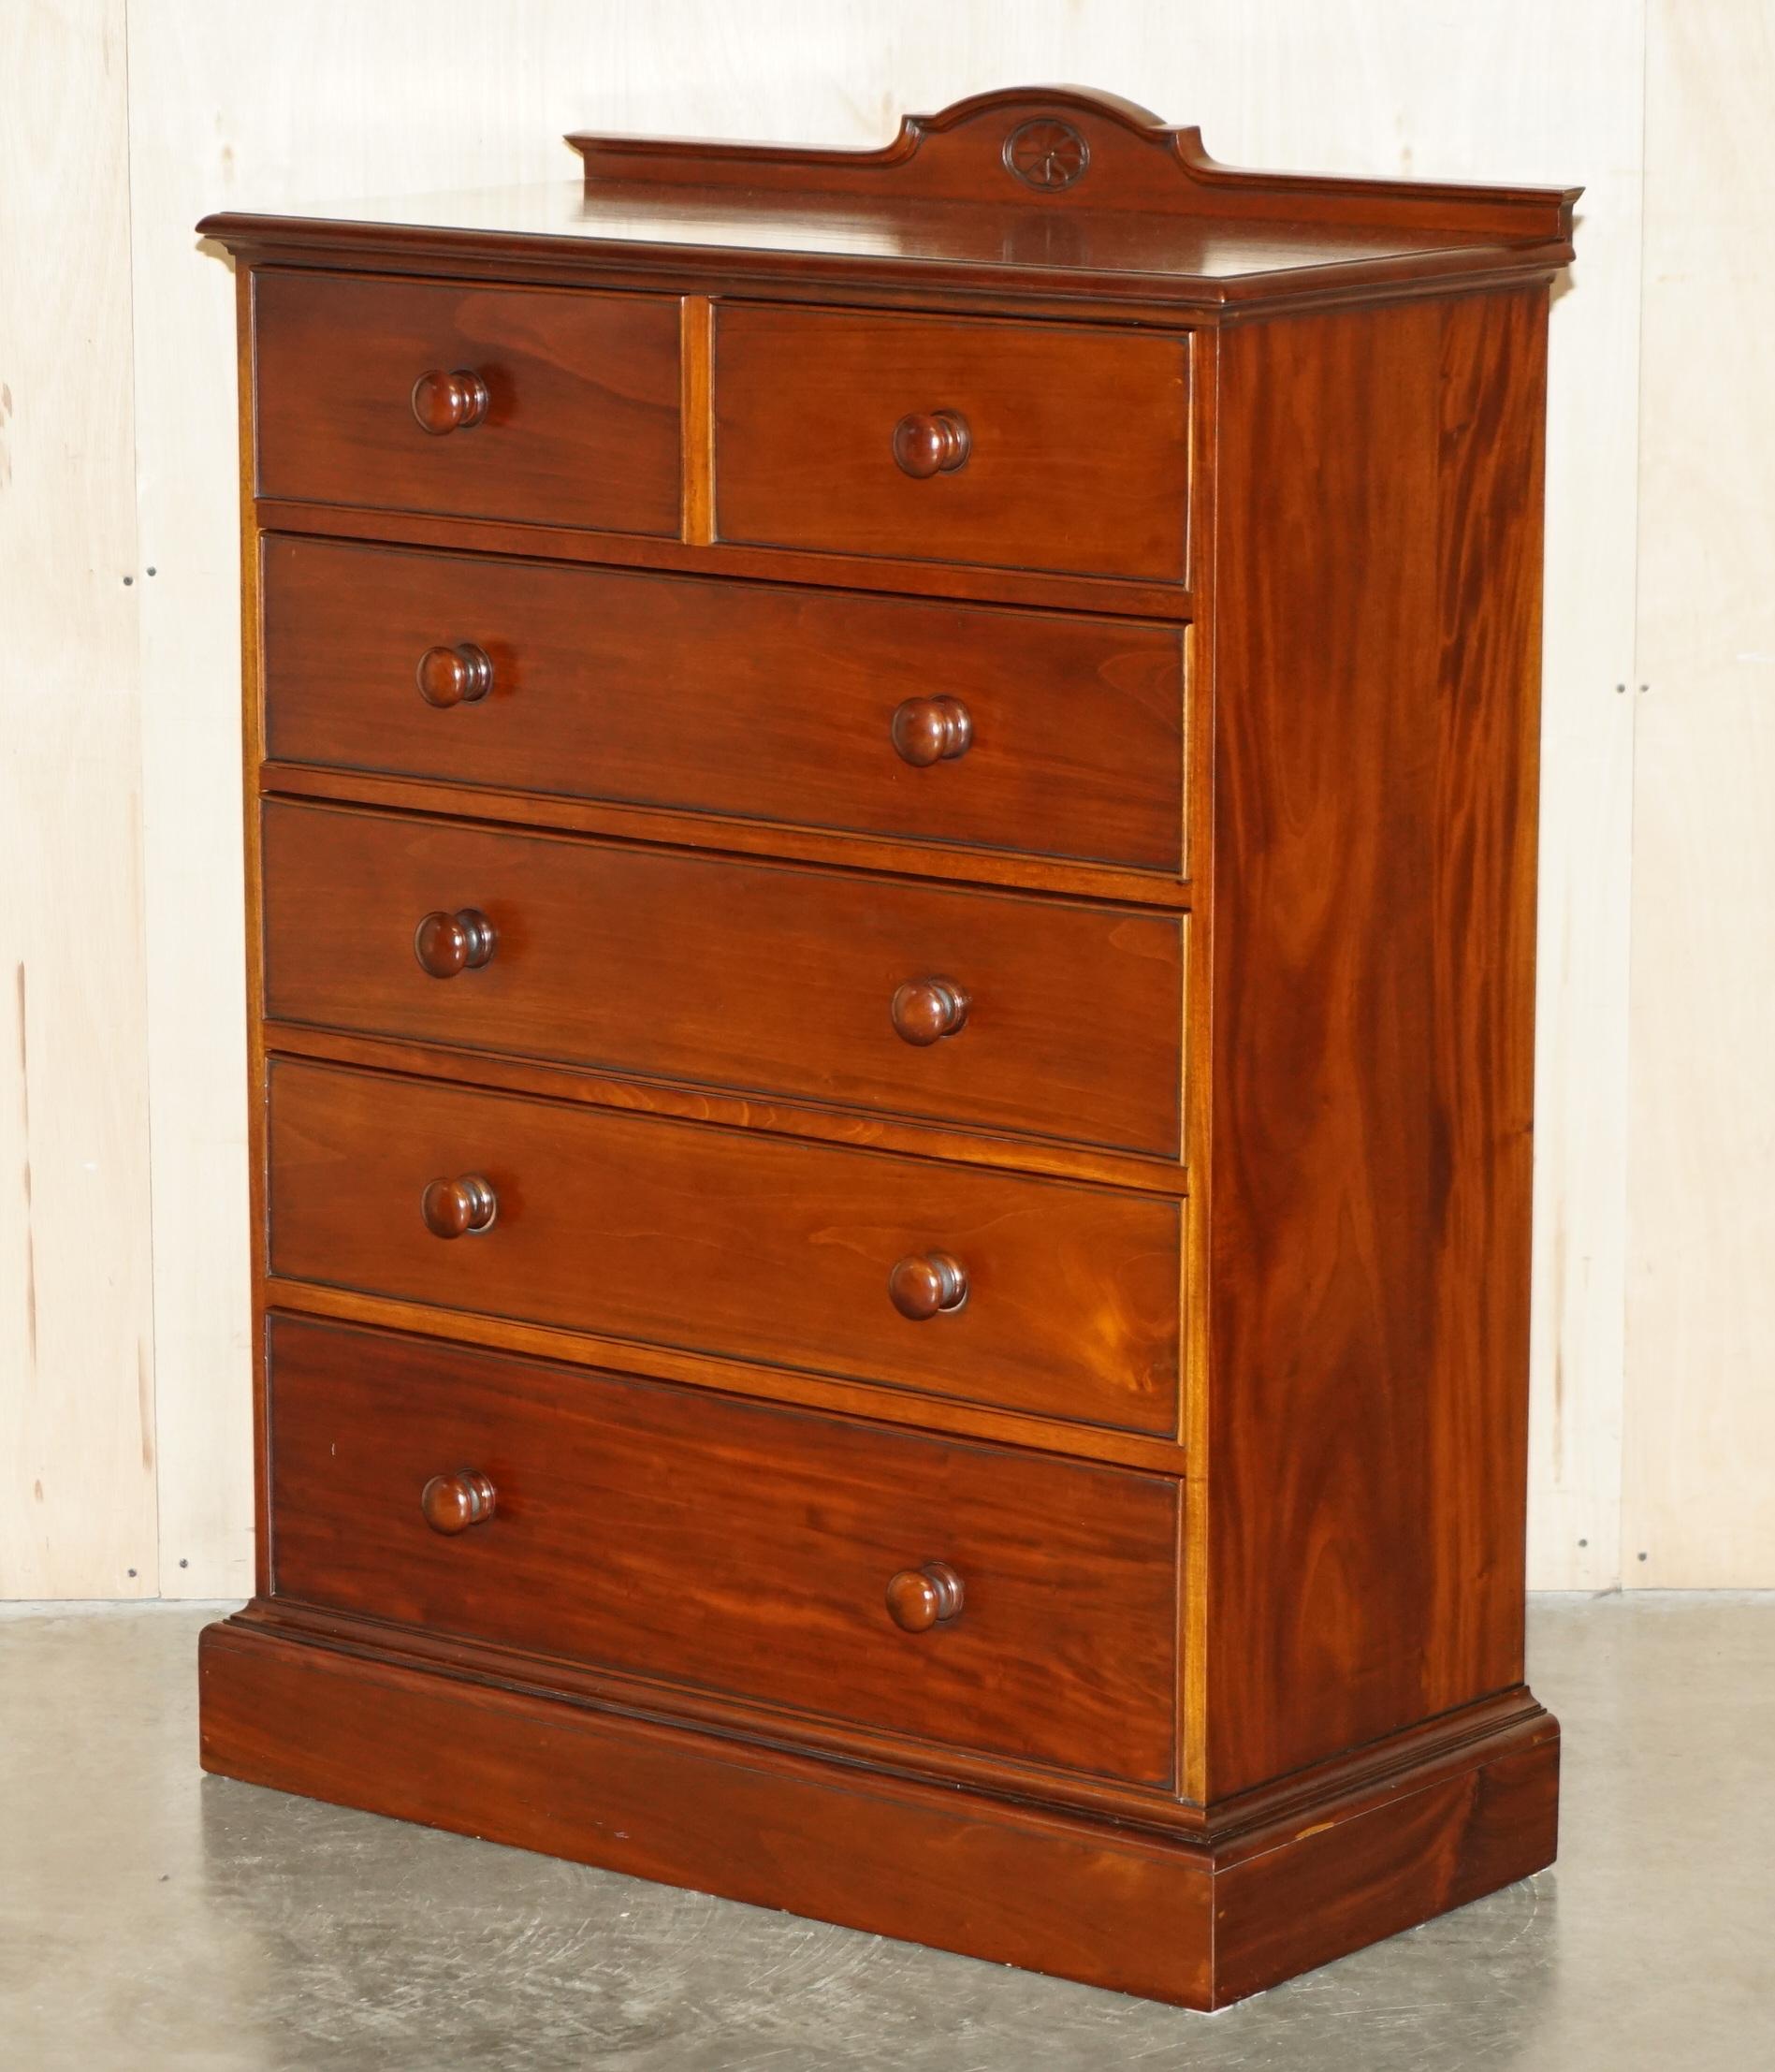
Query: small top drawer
(1010, 446)
(538, 404)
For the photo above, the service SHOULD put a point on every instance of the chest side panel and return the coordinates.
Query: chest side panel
(1377, 636)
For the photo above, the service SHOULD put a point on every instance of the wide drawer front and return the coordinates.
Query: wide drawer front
(978, 1008)
(1012, 445)
(1033, 1294)
(556, 407)
(887, 716)
(966, 1594)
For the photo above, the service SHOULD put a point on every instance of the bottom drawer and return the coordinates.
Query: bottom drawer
(741, 1548)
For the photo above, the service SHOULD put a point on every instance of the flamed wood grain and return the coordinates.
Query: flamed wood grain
(671, 1358)
(736, 975)
(1078, 446)
(582, 427)
(731, 698)
(732, 1547)
(726, 1241)
(1376, 700)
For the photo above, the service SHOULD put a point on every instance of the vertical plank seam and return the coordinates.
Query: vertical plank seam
(1622, 1392)
(147, 1362)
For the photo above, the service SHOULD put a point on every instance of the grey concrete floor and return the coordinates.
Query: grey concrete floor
(151, 1918)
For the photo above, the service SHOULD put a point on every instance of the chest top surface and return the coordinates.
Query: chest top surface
(1028, 195)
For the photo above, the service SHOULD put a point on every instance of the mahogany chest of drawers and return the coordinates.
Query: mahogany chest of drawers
(891, 815)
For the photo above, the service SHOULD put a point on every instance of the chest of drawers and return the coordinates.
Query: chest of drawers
(891, 808)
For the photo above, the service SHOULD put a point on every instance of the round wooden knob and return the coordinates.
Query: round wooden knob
(454, 676)
(926, 1010)
(932, 730)
(920, 1598)
(927, 1285)
(453, 1503)
(455, 1208)
(933, 442)
(449, 403)
(446, 943)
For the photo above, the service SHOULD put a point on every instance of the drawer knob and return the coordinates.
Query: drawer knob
(446, 943)
(456, 1208)
(931, 442)
(927, 1010)
(449, 403)
(932, 730)
(920, 1598)
(454, 676)
(927, 1284)
(453, 1503)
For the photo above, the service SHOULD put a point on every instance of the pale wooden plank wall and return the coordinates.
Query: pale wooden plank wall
(1699, 1495)
(316, 99)
(76, 1406)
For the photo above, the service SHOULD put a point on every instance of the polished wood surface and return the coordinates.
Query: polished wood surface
(699, 555)
(450, 1504)
(925, 1011)
(757, 1380)
(932, 443)
(1156, 230)
(1201, 1924)
(489, 403)
(447, 944)
(771, 1116)
(764, 1560)
(1032, 446)
(730, 1242)
(1045, 1017)
(973, 260)
(1373, 1048)
(1136, 163)
(927, 1284)
(920, 1598)
(458, 1208)
(931, 730)
(676, 828)
(449, 403)
(462, 675)
(740, 699)
(891, 986)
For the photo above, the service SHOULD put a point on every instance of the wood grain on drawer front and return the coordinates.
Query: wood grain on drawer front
(581, 426)
(743, 699)
(1068, 447)
(728, 1241)
(741, 1548)
(755, 977)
